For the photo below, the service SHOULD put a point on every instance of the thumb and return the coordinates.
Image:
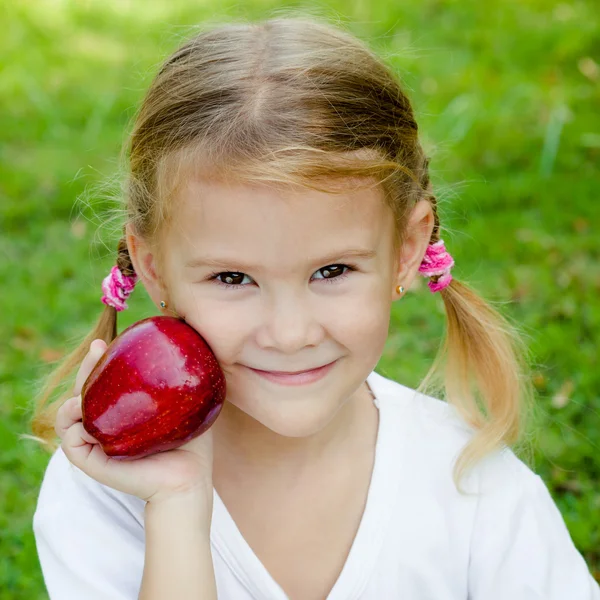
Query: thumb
(97, 348)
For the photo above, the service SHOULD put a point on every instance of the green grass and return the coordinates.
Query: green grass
(506, 95)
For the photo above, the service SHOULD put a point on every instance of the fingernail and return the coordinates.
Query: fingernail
(95, 345)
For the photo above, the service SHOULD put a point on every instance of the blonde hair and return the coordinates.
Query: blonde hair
(298, 101)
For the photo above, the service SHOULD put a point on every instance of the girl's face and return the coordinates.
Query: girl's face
(282, 281)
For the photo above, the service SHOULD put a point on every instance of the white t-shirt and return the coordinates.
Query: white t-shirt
(418, 537)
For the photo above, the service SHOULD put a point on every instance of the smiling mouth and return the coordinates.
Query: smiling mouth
(297, 377)
(291, 372)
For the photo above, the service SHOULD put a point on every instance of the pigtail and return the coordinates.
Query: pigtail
(482, 368)
(44, 411)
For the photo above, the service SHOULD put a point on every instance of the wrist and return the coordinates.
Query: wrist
(198, 489)
(196, 504)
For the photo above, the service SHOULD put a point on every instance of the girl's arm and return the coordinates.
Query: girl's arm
(178, 561)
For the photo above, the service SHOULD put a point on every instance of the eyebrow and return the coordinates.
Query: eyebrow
(208, 261)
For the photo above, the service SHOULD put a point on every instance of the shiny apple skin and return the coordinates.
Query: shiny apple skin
(157, 386)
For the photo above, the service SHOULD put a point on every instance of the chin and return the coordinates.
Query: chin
(294, 428)
(299, 416)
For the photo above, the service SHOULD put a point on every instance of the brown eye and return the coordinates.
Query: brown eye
(230, 278)
(332, 271)
(335, 273)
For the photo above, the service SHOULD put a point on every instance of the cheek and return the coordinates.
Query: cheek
(369, 333)
(218, 322)
(222, 332)
(363, 314)
(366, 324)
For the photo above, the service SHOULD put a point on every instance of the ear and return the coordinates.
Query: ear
(417, 237)
(145, 265)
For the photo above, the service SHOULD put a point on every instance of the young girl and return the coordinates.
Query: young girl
(278, 200)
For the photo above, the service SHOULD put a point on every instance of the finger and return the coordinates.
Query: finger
(68, 414)
(97, 348)
(84, 451)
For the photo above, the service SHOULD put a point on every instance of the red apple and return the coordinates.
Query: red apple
(157, 386)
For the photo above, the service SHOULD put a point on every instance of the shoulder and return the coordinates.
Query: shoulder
(429, 420)
(435, 434)
(515, 539)
(432, 412)
(67, 489)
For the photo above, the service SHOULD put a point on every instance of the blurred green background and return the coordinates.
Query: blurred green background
(507, 97)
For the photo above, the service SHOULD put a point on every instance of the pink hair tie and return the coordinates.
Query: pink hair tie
(437, 261)
(117, 287)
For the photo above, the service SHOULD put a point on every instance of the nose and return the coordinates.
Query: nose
(290, 323)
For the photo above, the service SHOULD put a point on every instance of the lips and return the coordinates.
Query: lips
(290, 372)
(296, 378)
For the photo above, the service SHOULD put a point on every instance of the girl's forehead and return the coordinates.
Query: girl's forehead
(212, 215)
(212, 202)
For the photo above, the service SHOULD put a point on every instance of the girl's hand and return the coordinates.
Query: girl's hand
(153, 478)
